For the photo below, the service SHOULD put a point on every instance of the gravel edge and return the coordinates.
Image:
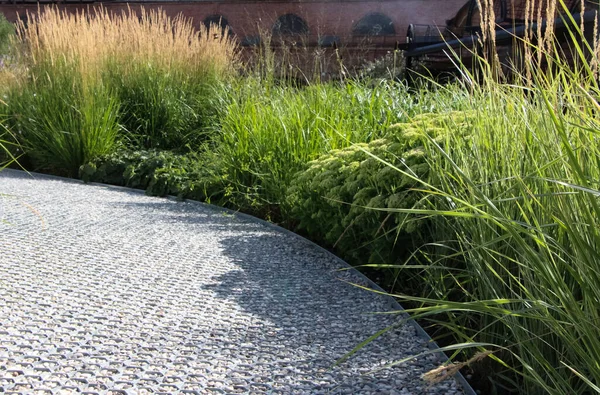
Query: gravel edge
(465, 386)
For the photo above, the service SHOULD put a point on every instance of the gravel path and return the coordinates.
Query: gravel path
(108, 291)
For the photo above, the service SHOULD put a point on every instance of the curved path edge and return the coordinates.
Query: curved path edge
(432, 345)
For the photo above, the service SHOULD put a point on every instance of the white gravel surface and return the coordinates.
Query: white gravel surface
(108, 291)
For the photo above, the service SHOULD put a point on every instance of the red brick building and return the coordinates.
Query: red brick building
(363, 29)
(345, 22)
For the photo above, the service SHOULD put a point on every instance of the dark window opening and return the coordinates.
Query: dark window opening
(250, 41)
(290, 24)
(218, 20)
(25, 20)
(374, 25)
(329, 42)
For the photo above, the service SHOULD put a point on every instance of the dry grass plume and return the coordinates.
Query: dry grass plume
(90, 39)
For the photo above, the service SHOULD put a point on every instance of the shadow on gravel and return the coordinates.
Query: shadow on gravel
(296, 288)
(281, 278)
(301, 300)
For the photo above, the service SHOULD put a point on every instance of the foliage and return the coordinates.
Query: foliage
(159, 173)
(390, 66)
(269, 132)
(90, 79)
(7, 31)
(62, 123)
(341, 198)
(161, 110)
(517, 206)
(517, 203)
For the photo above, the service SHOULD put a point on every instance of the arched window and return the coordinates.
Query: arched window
(374, 25)
(290, 24)
(218, 20)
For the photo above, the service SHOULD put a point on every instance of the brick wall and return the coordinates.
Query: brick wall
(323, 18)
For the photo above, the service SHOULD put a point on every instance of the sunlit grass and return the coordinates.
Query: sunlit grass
(91, 79)
(268, 131)
(515, 267)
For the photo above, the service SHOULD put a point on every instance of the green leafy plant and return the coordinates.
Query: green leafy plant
(7, 32)
(342, 198)
(159, 173)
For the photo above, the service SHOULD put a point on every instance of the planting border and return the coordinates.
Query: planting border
(465, 386)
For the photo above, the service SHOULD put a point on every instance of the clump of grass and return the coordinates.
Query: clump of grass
(518, 218)
(102, 38)
(95, 78)
(62, 122)
(514, 266)
(270, 131)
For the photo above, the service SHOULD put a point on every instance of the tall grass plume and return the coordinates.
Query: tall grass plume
(75, 101)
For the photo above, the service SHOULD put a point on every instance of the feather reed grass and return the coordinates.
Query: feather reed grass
(94, 78)
(94, 38)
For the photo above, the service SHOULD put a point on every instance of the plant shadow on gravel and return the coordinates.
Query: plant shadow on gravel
(297, 296)
(312, 309)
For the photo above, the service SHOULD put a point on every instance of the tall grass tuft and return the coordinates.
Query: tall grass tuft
(515, 267)
(129, 39)
(62, 122)
(95, 78)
